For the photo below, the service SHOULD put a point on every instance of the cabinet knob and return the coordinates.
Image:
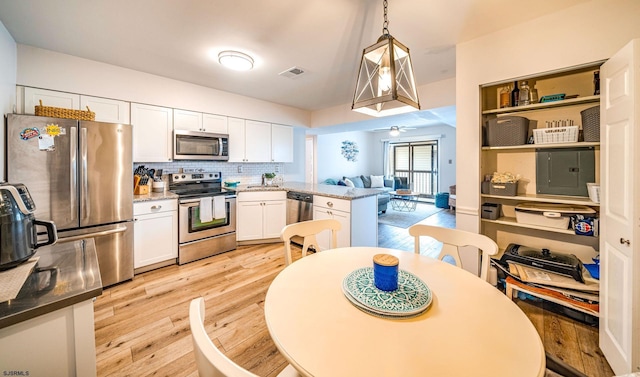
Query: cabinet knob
(624, 242)
(156, 207)
(329, 204)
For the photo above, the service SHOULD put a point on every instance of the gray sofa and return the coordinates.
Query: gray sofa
(364, 181)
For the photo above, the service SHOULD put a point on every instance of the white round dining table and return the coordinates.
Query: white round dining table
(469, 329)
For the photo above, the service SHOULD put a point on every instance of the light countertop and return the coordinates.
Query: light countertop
(333, 191)
(154, 196)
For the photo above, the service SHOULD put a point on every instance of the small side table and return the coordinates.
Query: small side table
(404, 202)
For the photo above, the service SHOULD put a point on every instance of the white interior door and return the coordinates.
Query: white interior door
(620, 196)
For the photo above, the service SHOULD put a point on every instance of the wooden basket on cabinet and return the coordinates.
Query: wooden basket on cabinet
(59, 112)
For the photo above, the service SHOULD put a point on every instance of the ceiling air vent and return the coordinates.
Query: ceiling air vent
(292, 72)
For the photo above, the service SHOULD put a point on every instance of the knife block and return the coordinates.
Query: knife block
(141, 190)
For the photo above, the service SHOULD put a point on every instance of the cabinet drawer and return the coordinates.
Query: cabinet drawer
(261, 196)
(332, 203)
(154, 206)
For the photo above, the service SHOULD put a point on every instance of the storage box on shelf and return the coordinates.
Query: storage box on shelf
(500, 201)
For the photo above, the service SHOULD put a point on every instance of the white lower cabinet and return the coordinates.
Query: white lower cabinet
(60, 343)
(261, 214)
(155, 232)
(358, 217)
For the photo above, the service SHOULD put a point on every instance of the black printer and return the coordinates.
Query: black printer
(559, 263)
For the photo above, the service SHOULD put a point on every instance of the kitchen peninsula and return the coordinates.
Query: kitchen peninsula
(49, 326)
(354, 208)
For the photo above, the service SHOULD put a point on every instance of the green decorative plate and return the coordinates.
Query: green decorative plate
(410, 299)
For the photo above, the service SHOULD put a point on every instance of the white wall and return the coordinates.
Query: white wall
(8, 64)
(52, 70)
(432, 96)
(331, 163)
(584, 33)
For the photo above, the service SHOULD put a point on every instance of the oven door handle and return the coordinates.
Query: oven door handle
(195, 202)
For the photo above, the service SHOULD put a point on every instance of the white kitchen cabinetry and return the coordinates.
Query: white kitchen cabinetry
(33, 96)
(261, 215)
(253, 141)
(107, 110)
(60, 343)
(187, 120)
(215, 123)
(195, 121)
(281, 143)
(249, 141)
(358, 218)
(152, 133)
(155, 233)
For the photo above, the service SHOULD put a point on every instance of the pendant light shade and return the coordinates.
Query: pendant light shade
(386, 85)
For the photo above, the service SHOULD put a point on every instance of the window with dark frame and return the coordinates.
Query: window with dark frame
(418, 161)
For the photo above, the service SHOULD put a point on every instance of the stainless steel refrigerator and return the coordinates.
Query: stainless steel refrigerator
(80, 176)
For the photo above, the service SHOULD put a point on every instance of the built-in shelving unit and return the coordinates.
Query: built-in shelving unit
(577, 84)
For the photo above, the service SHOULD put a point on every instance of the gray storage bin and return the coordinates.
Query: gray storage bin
(491, 211)
(504, 189)
(507, 130)
(591, 123)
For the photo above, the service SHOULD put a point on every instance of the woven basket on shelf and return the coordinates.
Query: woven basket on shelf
(59, 112)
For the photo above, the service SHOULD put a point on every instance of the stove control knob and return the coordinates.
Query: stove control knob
(210, 175)
(176, 177)
(184, 176)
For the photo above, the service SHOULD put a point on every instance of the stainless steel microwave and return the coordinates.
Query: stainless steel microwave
(195, 145)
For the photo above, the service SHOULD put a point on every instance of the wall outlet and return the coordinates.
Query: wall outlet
(240, 169)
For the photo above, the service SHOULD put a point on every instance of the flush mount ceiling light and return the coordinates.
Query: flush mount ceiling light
(385, 85)
(235, 60)
(394, 131)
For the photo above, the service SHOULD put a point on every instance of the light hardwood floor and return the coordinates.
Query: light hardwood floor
(142, 326)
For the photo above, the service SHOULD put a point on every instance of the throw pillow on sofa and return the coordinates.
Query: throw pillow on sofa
(377, 181)
(357, 181)
(348, 182)
(366, 180)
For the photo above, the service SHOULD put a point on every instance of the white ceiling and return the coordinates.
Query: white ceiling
(174, 38)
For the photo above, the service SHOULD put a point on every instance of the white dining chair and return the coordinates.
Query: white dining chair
(452, 240)
(308, 231)
(210, 360)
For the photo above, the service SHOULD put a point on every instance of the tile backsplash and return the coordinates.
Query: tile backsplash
(231, 171)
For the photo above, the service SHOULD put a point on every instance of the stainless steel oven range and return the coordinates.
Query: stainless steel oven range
(206, 216)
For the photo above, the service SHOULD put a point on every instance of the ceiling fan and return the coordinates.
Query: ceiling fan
(395, 130)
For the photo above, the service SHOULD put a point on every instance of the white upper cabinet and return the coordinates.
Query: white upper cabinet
(33, 96)
(187, 120)
(215, 123)
(194, 121)
(107, 110)
(257, 141)
(236, 140)
(253, 141)
(281, 143)
(152, 133)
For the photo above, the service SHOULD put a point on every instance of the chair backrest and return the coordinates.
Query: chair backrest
(400, 183)
(308, 231)
(452, 240)
(210, 361)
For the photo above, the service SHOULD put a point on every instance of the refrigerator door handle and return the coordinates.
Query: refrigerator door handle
(85, 176)
(96, 234)
(73, 177)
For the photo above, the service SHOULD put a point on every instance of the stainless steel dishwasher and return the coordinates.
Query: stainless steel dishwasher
(299, 207)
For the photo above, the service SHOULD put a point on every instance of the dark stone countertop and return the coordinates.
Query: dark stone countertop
(66, 273)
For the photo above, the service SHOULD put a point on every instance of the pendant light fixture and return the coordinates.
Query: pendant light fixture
(385, 85)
